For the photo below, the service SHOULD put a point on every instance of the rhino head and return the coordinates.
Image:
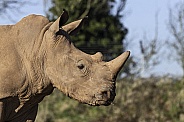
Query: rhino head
(86, 78)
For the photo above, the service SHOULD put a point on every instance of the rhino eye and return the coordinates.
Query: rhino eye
(81, 66)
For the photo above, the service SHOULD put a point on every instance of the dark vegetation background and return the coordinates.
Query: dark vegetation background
(153, 98)
(140, 100)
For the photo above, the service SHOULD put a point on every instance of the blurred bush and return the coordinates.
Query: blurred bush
(141, 100)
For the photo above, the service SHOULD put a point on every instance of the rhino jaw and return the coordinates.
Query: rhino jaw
(116, 64)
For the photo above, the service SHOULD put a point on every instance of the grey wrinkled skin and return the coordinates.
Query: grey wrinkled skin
(37, 56)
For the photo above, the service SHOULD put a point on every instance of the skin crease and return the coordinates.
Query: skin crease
(38, 56)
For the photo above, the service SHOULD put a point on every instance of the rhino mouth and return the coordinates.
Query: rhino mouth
(100, 102)
(104, 98)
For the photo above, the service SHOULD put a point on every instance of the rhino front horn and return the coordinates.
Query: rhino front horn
(116, 64)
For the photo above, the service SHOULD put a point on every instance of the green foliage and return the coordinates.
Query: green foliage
(103, 32)
(142, 100)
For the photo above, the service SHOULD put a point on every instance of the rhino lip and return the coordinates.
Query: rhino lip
(105, 98)
(100, 102)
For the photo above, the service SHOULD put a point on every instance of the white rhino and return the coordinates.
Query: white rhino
(37, 56)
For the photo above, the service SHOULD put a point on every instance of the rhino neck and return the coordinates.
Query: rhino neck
(35, 81)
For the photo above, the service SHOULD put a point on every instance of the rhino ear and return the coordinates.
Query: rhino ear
(74, 27)
(60, 21)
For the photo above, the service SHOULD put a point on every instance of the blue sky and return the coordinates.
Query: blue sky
(139, 19)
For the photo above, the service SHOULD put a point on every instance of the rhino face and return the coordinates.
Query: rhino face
(86, 78)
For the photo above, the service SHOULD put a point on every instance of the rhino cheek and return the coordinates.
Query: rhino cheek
(62, 80)
(78, 90)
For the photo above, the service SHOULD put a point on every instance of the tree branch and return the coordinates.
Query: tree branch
(10, 7)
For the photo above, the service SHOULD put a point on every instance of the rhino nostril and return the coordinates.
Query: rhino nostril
(106, 94)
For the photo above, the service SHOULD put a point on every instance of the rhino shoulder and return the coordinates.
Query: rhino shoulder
(33, 19)
(31, 24)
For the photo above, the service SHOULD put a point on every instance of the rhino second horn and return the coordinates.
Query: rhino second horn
(98, 56)
(116, 64)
